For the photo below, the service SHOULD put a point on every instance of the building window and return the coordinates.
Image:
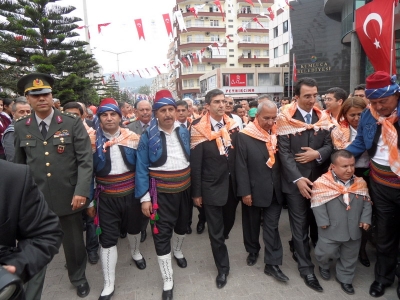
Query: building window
(230, 26)
(191, 83)
(285, 48)
(188, 38)
(214, 38)
(214, 23)
(199, 23)
(257, 39)
(231, 55)
(265, 53)
(285, 26)
(231, 50)
(246, 65)
(246, 53)
(230, 20)
(257, 53)
(275, 31)
(247, 38)
(268, 79)
(201, 67)
(265, 65)
(231, 65)
(215, 66)
(188, 69)
(250, 79)
(275, 52)
(185, 83)
(257, 65)
(189, 23)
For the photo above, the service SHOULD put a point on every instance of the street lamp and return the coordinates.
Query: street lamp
(117, 54)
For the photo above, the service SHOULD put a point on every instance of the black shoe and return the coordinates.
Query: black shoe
(226, 237)
(182, 263)
(122, 235)
(107, 297)
(140, 263)
(312, 282)
(189, 230)
(294, 255)
(93, 257)
(364, 261)
(252, 259)
(275, 272)
(325, 273)
(377, 289)
(200, 227)
(83, 290)
(346, 287)
(167, 295)
(143, 236)
(221, 280)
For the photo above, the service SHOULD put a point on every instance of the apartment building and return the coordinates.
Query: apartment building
(236, 38)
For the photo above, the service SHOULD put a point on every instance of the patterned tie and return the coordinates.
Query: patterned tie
(44, 129)
(220, 125)
(145, 127)
(308, 118)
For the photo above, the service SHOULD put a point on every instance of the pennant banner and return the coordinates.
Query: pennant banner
(102, 25)
(179, 18)
(168, 25)
(139, 27)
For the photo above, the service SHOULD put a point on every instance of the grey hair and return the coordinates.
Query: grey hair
(263, 96)
(188, 99)
(18, 101)
(266, 103)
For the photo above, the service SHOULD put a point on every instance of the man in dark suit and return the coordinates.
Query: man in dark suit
(259, 186)
(26, 217)
(143, 117)
(57, 148)
(212, 159)
(304, 144)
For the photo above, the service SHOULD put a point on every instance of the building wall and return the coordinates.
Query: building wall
(317, 47)
(281, 23)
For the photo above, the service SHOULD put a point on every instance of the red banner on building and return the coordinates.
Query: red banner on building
(237, 79)
(374, 27)
(168, 25)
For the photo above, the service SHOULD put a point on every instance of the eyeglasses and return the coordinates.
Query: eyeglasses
(229, 103)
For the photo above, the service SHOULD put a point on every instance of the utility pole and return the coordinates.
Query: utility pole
(117, 54)
(86, 22)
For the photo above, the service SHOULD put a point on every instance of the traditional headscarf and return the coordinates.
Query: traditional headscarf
(381, 85)
(162, 98)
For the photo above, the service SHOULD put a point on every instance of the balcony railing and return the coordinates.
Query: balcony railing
(199, 39)
(246, 10)
(199, 25)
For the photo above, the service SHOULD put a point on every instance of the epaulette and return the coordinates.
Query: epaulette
(68, 114)
(22, 118)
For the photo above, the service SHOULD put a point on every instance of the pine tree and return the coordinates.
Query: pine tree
(111, 89)
(38, 36)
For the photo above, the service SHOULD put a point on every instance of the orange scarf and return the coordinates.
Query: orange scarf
(255, 131)
(202, 132)
(326, 189)
(389, 137)
(341, 135)
(127, 138)
(287, 125)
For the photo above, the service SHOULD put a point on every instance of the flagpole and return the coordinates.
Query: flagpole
(392, 41)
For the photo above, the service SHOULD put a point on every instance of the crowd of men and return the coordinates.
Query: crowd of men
(131, 166)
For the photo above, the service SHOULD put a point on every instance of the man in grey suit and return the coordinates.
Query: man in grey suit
(143, 117)
(342, 208)
(304, 144)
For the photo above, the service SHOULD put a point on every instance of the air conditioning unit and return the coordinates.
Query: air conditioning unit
(207, 33)
(206, 18)
(201, 18)
(208, 63)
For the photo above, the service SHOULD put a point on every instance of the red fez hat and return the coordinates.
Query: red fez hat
(162, 94)
(93, 108)
(378, 80)
(108, 101)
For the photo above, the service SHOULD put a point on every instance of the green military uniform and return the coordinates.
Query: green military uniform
(62, 166)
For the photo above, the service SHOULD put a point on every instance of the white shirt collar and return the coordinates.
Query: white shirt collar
(214, 122)
(47, 120)
(175, 126)
(142, 124)
(303, 112)
(111, 136)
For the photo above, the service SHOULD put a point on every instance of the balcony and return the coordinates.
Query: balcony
(254, 1)
(255, 59)
(255, 27)
(252, 45)
(252, 12)
(204, 28)
(197, 2)
(197, 42)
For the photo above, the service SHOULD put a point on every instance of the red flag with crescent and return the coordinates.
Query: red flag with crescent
(258, 22)
(168, 25)
(218, 4)
(374, 27)
(139, 27)
(102, 25)
(250, 2)
(271, 13)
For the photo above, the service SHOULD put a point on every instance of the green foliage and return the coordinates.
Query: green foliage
(38, 36)
(144, 89)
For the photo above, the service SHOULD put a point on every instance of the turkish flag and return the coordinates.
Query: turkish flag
(102, 25)
(250, 2)
(139, 27)
(374, 28)
(256, 20)
(271, 13)
(168, 25)
(218, 4)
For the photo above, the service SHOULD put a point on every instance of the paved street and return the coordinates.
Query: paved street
(197, 281)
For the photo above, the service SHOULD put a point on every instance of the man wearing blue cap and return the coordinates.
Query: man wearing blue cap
(378, 134)
(163, 184)
(56, 146)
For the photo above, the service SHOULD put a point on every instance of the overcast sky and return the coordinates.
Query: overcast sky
(121, 35)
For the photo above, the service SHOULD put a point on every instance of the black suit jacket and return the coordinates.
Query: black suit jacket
(253, 176)
(210, 171)
(26, 217)
(290, 145)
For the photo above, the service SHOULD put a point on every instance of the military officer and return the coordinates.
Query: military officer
(57, 148)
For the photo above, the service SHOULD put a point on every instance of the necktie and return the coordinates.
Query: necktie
(220, 125)
(145, 127)
(308, 118)
(183, 125)
(44, 130)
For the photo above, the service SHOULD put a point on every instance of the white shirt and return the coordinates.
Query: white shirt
(176, 159)
(177, 123)
(382, 153)
(363, 160)
(143, 124)
(304, 113)
(46, 120)
(117, 162)
(238, 120)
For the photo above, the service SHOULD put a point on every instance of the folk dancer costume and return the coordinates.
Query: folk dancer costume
(296, 129)
(341, 206)
(163, 177)
(259, 168)
(114, 163)
(379, 136)
(213, 178)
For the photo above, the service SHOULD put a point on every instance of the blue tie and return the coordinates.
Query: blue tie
(308, 118)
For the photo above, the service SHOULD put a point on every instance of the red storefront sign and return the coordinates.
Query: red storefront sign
(237, 79)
